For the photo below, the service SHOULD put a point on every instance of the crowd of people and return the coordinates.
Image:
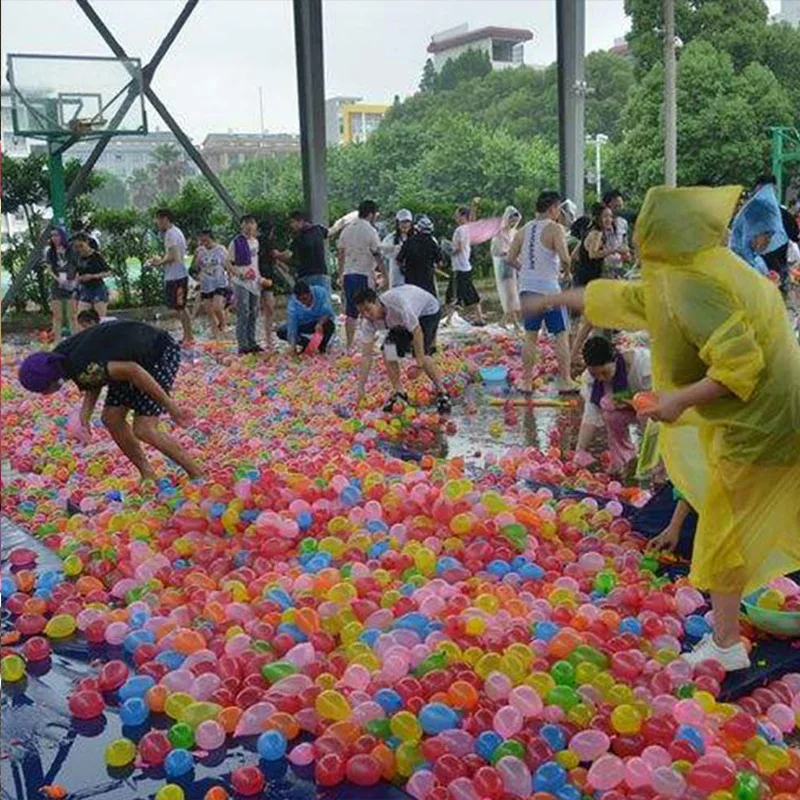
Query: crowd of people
(723, 359)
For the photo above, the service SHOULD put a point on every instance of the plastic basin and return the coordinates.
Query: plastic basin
(779, 623)
(493, 374)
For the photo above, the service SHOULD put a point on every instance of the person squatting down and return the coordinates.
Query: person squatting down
(612, 379)
(308, 313)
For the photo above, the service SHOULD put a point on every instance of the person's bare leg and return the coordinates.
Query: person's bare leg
(186, 323)
(55, 309)
(479, 312)
(726, 618)
(115, 420)
(268, 310)
(72, 311)
(350, 331)
(217, 314)
(146, 430)
(584, 329)
(101, 309)
(561, 348)
(73, 314)
(206, 306)
(432, 371)
(530, 355)
(393, 373)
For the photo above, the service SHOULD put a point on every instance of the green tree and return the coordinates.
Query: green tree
(142, 188)
(113, 193)
(195, 207)
(737, 27)
(782, 55)
(429, 77)
(465, 67)
(169, 167)
(611, 78)
(26, 188)
(722, 119)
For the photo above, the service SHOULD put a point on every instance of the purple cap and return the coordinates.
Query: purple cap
(40, 371)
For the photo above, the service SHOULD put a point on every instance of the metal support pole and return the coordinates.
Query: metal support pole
(58, 191)
(597, 166)
(77, 185)
(311, 99)
(670, 98)
(777, 161)
(571, 38)
(155, 101)
(167, 41)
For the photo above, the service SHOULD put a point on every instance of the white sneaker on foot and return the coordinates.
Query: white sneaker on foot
(732, 658)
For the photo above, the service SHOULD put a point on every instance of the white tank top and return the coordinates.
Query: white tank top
(540, 265)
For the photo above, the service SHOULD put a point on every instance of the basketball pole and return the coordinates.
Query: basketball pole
(58, 188)
(77, 185)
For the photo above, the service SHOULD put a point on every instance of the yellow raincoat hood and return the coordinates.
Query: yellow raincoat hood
(675, 224)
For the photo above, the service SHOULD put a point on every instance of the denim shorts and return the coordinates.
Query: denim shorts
(353, 284)
(93, 293)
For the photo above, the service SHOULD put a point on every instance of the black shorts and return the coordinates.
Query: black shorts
(122, 393)
(222, 292)
(175, 293)
(402, 340)
(584, 275)
(463, 291)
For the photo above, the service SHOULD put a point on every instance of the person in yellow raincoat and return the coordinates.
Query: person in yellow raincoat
(726, 369)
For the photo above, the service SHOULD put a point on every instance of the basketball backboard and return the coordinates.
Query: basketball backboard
(57, 97)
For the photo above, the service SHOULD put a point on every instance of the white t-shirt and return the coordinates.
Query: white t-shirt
(247, 277)
(175, 270)
(211, 262)
(616, 238)
(541, 266)
(361, 244)
(404, 306)
(793, 253)
(390, 251)
(639, 380)
(460, 260)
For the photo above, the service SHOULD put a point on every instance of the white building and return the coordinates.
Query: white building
(504, 46)
(790, 12)
(123, 154)
(13, 146)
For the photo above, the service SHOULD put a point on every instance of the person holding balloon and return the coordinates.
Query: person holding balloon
(138, 363)
(726, 367)
(611, 380)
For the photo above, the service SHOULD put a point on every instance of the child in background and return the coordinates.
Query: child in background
(91, 271)
(209, 259)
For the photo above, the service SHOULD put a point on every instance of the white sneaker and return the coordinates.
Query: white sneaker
(732, 658)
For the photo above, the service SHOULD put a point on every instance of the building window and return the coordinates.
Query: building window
(502, 51)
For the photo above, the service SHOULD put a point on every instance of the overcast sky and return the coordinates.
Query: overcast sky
(210, 78)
